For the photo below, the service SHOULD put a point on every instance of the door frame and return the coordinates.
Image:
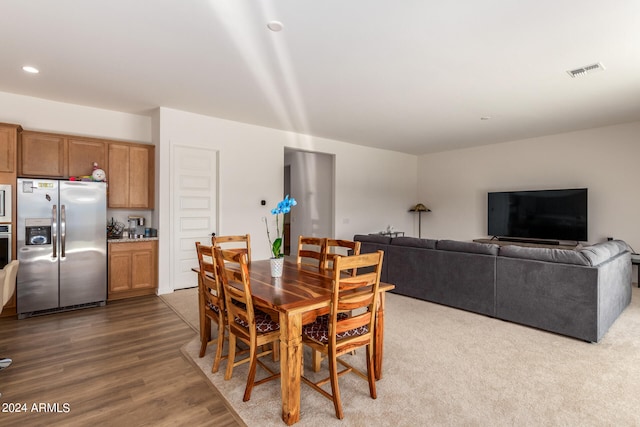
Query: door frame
(174, 243)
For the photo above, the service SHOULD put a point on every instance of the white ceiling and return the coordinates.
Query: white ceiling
(414, 76)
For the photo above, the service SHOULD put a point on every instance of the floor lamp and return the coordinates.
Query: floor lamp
(420, 208)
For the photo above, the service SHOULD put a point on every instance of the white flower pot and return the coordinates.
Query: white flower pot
(277, 265)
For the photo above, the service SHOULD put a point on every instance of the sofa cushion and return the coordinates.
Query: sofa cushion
(564, 256)
(414, 242)
(372, 238)
(470, 247)
(601, 252)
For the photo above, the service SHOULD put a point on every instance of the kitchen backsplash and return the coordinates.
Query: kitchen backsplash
(122, 216)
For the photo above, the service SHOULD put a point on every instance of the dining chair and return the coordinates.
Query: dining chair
(340, 334)
(337, 247)
(8, 282)
(239, 243)
(246, 323)
(334, 248)
(311, 251)
(211, 304)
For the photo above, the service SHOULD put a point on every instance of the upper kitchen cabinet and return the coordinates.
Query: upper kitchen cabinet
(130, 167)
(41, 154)
(83, 153)
(8, 145)
(59, 156)
(131, 176)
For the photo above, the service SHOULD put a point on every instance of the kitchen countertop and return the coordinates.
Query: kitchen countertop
(129, 239)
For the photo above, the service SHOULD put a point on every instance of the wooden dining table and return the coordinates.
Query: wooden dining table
(301, 294)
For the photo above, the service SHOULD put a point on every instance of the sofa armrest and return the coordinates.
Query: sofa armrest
(601, 252)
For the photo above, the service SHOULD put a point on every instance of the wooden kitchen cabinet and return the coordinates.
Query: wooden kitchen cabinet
(8, 173)
(83, 153)
(130, 167)
(8, 147)
(41, 154)
(132, 269)
(131, 176)
(59, 156)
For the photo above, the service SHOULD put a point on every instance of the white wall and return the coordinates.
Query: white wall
(373, 187)
(50, 116)
(606, 160)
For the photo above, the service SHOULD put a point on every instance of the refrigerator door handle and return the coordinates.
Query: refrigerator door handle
(54, 230)
(63, 230)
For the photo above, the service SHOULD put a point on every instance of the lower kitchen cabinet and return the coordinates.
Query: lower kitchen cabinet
(133, 268)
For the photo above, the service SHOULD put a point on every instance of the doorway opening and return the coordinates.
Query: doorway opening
(309, 177)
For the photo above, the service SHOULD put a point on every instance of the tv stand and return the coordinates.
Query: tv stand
(521, 240)
(527, 242)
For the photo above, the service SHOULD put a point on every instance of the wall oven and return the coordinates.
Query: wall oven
(5, 203)
(5, 244)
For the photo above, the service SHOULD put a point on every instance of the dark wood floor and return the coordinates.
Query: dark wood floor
(118, 365)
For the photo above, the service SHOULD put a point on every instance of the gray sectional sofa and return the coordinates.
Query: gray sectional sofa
(578, 293)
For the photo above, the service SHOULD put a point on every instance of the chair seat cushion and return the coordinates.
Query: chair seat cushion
(264, 323)
(213, 307)
(319, 331)
(325, 317)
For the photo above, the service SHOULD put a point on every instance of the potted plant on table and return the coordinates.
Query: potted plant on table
(277, 257)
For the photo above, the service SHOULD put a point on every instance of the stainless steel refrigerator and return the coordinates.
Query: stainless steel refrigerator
(62, 245)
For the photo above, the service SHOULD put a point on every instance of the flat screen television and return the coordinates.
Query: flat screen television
(540, 214)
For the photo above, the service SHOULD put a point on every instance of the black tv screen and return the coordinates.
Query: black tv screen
(541, 214)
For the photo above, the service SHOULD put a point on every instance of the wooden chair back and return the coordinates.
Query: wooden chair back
(238, 298)
(235, 243)
(253, 327)
(312, 250)
(209, 282)
(356, 295)
(211, 303)
(338, 247)
(351, 322)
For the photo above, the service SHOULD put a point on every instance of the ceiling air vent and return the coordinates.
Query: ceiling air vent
(587, 69)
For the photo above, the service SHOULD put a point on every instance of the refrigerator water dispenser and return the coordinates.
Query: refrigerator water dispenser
(38, 231)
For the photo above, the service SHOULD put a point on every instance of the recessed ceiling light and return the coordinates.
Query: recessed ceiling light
(275, 26)
(30, 69)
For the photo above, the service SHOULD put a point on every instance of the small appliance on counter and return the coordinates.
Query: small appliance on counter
(136, 227)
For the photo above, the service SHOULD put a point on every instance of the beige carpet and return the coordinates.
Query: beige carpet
(448, 367)
(185, 303)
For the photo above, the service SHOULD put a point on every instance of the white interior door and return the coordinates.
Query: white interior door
(194, 200)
